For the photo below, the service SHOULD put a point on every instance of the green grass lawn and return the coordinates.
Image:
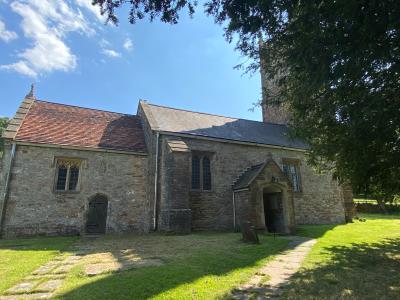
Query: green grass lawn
(360, 260)
(18, 258)
(197, 266)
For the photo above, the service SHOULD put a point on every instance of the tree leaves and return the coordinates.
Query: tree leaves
(339, 69)
(3, 125)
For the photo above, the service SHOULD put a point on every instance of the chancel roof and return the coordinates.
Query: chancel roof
(60, 124)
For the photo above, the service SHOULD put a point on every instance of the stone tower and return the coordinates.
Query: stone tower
(272, 110)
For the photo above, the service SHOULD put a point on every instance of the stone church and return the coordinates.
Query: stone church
(74, 170)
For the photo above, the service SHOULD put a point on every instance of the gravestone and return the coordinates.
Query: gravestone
(249, 234)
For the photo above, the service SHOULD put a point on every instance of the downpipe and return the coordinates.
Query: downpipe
(7, 188)
(156, 184)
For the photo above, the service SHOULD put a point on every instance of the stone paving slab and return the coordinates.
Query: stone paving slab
(46, 276)
(49, 286)
(63, 269)
(23, 287)
(42, 282)
(45, 269)
(72, 259)
(100, 268)
(279, 271)
(27, 296)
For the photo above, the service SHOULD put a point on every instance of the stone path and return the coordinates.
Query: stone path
(270, 280)
(95, 259)
(42, 283)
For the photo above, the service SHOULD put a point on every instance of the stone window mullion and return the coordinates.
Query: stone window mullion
(67, 179)
(201, 172)
(67, 175)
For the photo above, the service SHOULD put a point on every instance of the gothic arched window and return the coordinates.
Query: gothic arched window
(201, 172)
(206, 173)
(195, 172)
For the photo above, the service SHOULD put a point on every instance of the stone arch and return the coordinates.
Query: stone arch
(262, 179)
(96, 214)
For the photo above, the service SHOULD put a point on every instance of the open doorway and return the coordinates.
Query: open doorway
(273, 211)
(97, 215)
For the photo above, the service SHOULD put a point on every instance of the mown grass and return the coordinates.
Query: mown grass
(360, 260)
(197, 266)
(19, 257)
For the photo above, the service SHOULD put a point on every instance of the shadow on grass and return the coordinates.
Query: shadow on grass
(358, 271)
(314, 231)
(200, 275)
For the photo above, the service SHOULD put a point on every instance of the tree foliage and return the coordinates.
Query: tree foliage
(342, 82)
(3, 125)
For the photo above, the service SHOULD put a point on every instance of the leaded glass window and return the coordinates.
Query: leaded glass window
(195, 172)
(61, 178)
(67, 175)
(206, 173)
(201, 172)
(73, 178)
(291, 170)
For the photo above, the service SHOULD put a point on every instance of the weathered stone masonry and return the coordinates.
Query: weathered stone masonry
(319, 202)
(34, 208)
(148, 184)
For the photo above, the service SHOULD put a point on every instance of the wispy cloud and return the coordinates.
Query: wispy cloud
(106, 49)
(128, 44)
(20, 67)
(46, 23)
(6, 35)
(95, 10)
(111, 53)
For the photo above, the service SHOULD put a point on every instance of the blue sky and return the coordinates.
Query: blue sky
(74, 58)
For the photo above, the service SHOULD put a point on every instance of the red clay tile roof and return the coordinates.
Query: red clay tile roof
(59, 124)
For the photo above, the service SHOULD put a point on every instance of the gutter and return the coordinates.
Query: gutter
(6, 187)
(199, 137)
(68, 147)
(156, 184)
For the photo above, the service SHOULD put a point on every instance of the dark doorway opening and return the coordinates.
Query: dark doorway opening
(97, 215)
(273, 212)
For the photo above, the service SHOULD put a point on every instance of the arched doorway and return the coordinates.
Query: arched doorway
(274, 210)
(97, 215)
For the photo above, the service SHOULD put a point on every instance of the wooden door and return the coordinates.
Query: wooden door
(97, 215)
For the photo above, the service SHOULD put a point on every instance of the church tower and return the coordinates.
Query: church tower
(272, 110)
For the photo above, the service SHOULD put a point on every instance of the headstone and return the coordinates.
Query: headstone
(249, 234)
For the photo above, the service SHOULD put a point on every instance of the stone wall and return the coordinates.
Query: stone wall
(34, 208)
(151, 144)
(174, 192)
(320, 201)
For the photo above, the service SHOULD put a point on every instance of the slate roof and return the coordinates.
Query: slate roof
(60, 124)
(247, 177)
(207, 125)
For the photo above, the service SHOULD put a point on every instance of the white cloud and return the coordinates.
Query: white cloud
(6, 35)
(46, 23)
(95, 10)
(111, 53)
(104, 43)
(128, 45)
(20, 67)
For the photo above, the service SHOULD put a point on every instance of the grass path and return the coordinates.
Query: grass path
(18, 258)
(360, 260)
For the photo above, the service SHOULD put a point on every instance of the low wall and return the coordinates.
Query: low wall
(375, 208)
